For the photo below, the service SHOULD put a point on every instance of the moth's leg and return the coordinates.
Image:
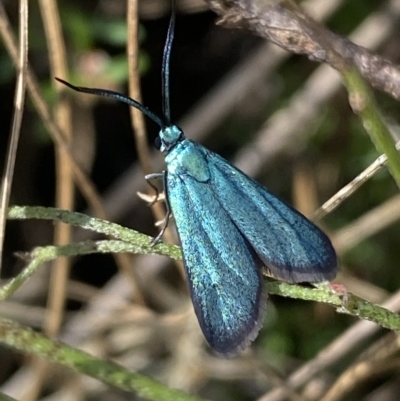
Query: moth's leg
(165, 221)
(149, 178)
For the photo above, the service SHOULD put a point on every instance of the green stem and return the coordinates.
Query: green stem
(363, 104)
(130, 241)
(41, 255)
(100, 226)
(345, 302)
(24, 339)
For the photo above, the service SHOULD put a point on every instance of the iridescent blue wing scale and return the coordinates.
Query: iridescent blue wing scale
(291, 247)
(229, 303)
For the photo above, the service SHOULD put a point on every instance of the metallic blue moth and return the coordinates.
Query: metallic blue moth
(230, 228)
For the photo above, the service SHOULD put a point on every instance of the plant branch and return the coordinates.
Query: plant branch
(131, 241)
(285, 24)
(97, 225)
(344, 302)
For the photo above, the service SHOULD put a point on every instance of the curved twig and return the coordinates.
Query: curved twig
(287, 25)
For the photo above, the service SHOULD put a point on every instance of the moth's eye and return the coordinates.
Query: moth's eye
(157, 143)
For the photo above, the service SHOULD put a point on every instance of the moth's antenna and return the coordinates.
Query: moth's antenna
(165, 67)
(122, 98)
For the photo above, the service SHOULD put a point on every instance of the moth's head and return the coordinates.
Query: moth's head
(168, 137)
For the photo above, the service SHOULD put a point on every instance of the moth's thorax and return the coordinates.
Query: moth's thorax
(186, 158)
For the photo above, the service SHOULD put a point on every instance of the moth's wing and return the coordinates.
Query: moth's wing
(292, 248)
(224, 274)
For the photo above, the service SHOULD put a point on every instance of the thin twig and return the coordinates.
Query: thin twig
(368, 224)
(83, 182)
(137, 118)
(64, 178)
(65, 192)
(19, 101)
(382, 361)
(331, 204)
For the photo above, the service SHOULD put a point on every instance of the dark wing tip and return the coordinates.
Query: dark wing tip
(323, 270)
